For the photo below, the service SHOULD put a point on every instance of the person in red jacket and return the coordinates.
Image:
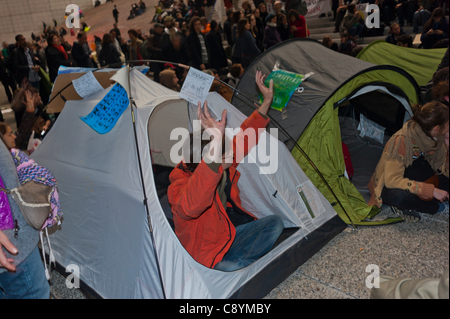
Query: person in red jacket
(297, 25)
(209, 219)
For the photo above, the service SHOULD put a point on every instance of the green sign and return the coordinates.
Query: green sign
(284, 85)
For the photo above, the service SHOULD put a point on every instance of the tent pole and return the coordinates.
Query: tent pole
(132, 103)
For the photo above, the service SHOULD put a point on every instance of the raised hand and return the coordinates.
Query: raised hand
(267, 92)
(208, 122)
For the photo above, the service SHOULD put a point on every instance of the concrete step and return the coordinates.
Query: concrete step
(319, 23)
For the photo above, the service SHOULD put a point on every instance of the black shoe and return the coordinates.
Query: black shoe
(408, 215)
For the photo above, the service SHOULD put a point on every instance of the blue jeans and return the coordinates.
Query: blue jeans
(420, 17)
(28, 282)
(356, 31)
(252, 241)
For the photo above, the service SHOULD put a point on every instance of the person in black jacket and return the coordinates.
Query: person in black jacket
(196, 45)
(217, 55)
(7, 80)
(25, 63)
(109, 54)
(56, 56)
(176, 52)
(81, 52)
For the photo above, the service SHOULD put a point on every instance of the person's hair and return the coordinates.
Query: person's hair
(3, 128)
(213, 24)
(438, 12)
(392, 27)
(80, 34)
(241, 27)
(345, 34)
(351, 7)
(246, 4)
(18, 36)
(50, 38)
(430, 115)
(406, 38)
(2, 139)
(441, 44)
(223, 90)
(107, 38)
(260, 5)
(326, 40)
(236, 17)
(294, 13)
(175, 36)
(441, 75)
(192, 23)
(254, 29)
(440, 91)
(230, 12)
(235, 70)
(133, 32)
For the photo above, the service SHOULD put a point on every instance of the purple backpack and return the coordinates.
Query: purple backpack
(6, 219)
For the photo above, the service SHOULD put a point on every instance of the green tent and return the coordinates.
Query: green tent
(419, 63)
(327, 110)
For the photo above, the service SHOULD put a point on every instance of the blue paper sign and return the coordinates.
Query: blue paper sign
(108, 111)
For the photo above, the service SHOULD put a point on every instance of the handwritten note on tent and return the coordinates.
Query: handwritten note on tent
(284, 85)
(108, 111)
(87, 85)
(196, 86)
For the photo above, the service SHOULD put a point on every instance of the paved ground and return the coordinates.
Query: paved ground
(338, 271)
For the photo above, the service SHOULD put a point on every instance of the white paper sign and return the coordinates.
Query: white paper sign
(196, 86)
(317, 7)
(87, 85)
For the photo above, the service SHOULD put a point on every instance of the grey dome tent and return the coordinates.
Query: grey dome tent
(116, 229)
(326, 111)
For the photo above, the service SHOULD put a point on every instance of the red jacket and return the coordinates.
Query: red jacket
(201, 222)
(302, 31)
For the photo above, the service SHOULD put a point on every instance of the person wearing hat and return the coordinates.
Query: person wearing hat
(272, 35)
(169, 79)
(169, 29)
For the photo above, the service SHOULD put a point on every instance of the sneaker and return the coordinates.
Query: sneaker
(408, 215)
(443, 208)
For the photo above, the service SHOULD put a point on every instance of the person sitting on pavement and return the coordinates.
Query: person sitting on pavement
(395, 31)
(412, 174)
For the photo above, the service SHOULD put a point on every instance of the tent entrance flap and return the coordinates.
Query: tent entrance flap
(384, 104)
(384, 107)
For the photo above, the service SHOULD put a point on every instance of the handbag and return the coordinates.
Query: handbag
(6, 218)
(33, 200)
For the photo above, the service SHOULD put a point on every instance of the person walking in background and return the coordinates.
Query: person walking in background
(115, 13)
